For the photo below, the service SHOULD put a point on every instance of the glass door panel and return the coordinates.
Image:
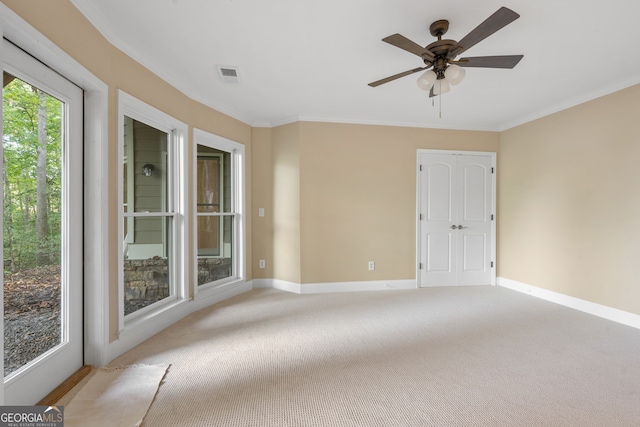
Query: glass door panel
(32, 215)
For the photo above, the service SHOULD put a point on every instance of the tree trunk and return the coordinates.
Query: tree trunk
(42, 219)
(8, 219)
(26, 208)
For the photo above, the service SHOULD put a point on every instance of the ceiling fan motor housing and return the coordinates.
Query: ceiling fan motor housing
(440, 50)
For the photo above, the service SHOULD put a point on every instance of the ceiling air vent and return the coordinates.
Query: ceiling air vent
(228, 74)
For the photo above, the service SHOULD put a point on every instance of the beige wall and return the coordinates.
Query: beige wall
(342, 195)
(262, 186)
(569, 211)
(358, 197)
(78, 38)
(286, 203)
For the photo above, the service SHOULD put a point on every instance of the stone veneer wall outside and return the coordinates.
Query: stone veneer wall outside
(212, 269)
(147, 280)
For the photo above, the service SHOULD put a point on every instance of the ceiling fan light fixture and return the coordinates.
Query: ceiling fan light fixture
(426, 80)
(454, 74)
(441, 86)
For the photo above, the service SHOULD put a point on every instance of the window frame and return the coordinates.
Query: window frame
(177, 208)
(236, 209)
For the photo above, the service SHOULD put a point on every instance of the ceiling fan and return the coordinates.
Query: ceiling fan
(441, 54)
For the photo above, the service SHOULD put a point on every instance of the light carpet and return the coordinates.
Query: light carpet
(469, 356)
(117, 396)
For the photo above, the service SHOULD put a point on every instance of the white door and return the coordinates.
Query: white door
(42, 178)
(456, 227)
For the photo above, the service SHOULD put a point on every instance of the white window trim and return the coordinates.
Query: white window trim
(237, 151)
(177, 131)
(128, 154)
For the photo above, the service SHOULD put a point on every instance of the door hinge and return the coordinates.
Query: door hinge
(491, 264)
(420, 168)
(492, 170)
(491, 217)
(420, 266)
(420, 217)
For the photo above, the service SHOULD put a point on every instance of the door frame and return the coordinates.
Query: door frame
(61, 361)
(96, 224)
(419, 189)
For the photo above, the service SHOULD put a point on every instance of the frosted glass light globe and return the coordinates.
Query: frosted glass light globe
(454, 73)
(441, 86)
(426, 80)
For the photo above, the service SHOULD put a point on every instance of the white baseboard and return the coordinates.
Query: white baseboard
(377, 285)
(261, 283)
(318, 288)
(609, 313)
(282, 285)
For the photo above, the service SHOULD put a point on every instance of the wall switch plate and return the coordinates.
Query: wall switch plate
(261, 264)
(372, 265)
(260, 211)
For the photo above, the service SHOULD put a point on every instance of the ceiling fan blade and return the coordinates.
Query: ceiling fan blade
(500, 19)
(402, 42)
(396, 76)
(506, 61)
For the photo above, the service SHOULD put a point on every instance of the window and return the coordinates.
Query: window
(219, 200)
(152, 192)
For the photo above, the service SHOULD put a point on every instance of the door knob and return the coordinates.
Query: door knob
(453, 227)
(461, 227)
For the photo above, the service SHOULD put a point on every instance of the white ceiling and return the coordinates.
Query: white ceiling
(312, 60)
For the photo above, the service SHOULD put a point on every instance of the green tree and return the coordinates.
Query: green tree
(32, 175)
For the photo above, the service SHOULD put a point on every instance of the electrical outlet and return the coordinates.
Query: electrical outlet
(372, 265)
(260, 211)
(261, 264)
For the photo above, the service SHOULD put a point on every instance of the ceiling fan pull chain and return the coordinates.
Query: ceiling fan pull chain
(440, 97)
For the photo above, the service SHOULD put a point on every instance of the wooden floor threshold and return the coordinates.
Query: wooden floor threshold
(64, 388)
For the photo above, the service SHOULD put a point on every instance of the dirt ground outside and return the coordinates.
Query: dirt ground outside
(31, 315)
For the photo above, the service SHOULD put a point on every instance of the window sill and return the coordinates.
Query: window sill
(132, 326)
